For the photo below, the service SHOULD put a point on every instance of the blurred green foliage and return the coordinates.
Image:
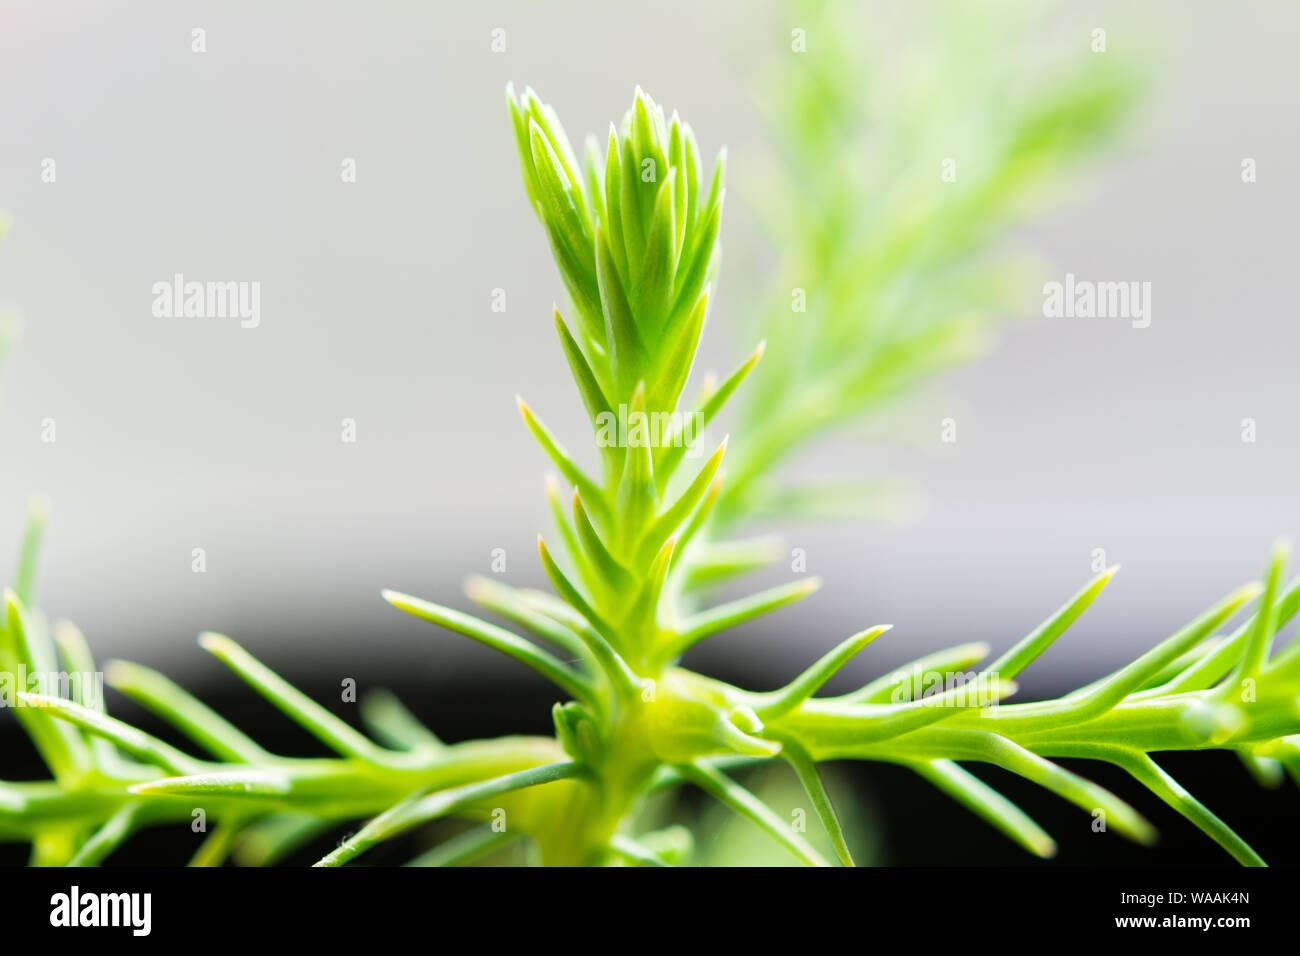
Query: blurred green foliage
(908, 143)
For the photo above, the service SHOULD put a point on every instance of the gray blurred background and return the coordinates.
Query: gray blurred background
(174, 434)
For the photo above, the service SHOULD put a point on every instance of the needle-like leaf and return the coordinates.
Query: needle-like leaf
(135, 742)
(512, 645)
(778, 702)
(806, 770)
(671, 518)
(746, 804)
(418, 810)
(38, 510)
(950, 660)
(108, 837)
(676, 446)
(390, 722)
(291, 702)
(984, 801)
(734, 613)
(1150, 775)
(161, 696)
(572, 473)
(1014, 661)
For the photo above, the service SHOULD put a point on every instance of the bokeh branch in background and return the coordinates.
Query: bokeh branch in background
(897, 173)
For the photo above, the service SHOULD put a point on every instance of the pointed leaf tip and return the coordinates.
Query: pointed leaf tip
(213, 642)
